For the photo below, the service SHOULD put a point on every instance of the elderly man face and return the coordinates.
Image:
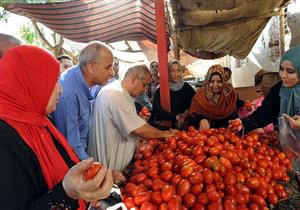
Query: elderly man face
(103, 68)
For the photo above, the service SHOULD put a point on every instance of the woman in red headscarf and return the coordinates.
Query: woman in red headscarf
(214, 104)
(35, 158)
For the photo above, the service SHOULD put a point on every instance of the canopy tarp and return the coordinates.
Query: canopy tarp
(203, 28)
(217, 27)
(87, 20)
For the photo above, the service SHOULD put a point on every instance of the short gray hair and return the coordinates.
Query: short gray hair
(7, 42)
(6, 38)
(140, 70)
(91, 52)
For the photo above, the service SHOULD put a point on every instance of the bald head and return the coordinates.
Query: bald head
(7, 42)
(136, 80)
(139, 70)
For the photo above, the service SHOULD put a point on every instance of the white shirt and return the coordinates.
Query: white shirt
(114, 118)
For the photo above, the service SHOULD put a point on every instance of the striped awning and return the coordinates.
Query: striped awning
(88, 20)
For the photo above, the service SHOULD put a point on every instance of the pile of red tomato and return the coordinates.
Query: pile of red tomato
(213, 169)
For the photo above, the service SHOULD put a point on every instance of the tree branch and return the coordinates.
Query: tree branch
(41, 35)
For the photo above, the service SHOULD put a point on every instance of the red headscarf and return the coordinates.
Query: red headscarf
(214, 106)
(28, 76)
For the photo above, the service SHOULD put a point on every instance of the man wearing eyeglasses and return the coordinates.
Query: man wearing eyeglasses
(116, 126)
(74, 110)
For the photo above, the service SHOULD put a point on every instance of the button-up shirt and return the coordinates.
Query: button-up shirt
(74, 110)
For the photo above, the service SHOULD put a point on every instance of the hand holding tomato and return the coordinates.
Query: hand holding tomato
(92, 171)
(248, 105)
(144, 113)
(93, 189)
(235, 125)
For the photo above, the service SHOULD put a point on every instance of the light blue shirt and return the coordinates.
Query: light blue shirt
(74, 110)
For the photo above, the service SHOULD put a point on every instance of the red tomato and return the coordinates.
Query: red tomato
(157, 184)
(230, 178)
(198, 206)
(228, 205)
(261, 192)
(213, 195)
(253, 182)
(186, 171)
(176, 179)
(240, 177)
(153, 172)
(248, 104)
(174, 204)
(196, 178)
(203, 199)
(166, 176)
(184, 187)
(272, 198)
(197, 189)
(254, 206)
(258, 200)
(92, 171)
(225, 162)
(148, 183)
(168, 192)
(139, 178)
(215, 206)
(219, 185)
(156, 198)
(235, 123)
(148, 206)
(197, 151)
(141, 197)
(163, 206)
(166, 166)
(189, 200)
(231, 199)
(129, 203)
(240, 199)
(208, 176)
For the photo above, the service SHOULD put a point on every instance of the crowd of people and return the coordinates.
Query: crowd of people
(57, 118)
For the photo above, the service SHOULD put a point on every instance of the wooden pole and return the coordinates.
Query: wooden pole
(162, 53)
(282, 32)
(176, 49)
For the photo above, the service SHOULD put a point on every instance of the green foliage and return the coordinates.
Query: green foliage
(4, 14)
(28, 35)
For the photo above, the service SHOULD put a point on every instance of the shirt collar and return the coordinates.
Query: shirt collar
(82, 83)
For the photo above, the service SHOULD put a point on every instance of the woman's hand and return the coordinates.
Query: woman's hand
(91, 190)
(293, 121)
(235, 125)
(204, 125)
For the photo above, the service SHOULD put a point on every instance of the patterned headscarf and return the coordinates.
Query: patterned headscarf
(214, 105)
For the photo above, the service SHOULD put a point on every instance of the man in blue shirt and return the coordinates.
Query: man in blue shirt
(74, 110)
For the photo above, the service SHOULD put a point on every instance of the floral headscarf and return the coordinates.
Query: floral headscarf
(214, 105)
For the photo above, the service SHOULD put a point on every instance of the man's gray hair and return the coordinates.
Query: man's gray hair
(91, 52)
(140, 70)
(8, 41)
(6, 38)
